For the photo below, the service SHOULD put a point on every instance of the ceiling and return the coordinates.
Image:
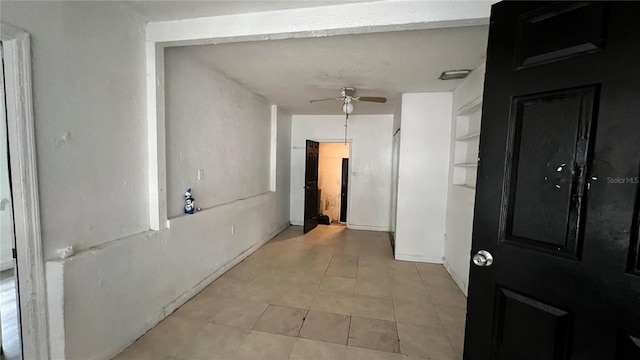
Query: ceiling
(182, 9)
(291, 72)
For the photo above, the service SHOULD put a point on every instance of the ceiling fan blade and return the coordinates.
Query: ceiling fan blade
(371, 99)
(339, 99)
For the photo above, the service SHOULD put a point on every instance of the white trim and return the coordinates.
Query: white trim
(367, 227)
(55, 298)
(181, 216)
(24, 176)
(157, 166)
(469, 107)
(368, 17)
(461, 282)
(274, 149)
(419, 258)
(297, 223)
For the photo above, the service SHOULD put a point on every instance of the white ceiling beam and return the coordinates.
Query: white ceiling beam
(354, 18)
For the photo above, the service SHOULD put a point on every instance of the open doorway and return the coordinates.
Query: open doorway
(333, 180)
(10, 342)
(24, 291)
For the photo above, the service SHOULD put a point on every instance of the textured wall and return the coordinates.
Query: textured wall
(89, 95)
(215, 125)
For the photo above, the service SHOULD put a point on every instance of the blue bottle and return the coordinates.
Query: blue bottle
(189, 202)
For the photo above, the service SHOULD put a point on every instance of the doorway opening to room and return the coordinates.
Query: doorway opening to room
(326, 183)
(10, 339)
(23, 309)
(333, 181)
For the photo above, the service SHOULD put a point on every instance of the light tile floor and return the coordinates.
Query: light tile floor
(330, 294)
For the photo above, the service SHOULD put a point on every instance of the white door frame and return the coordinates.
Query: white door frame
(24, 181)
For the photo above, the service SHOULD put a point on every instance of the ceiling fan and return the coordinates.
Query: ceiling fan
(348, 96)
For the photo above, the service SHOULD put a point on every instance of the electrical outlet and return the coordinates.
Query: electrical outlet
(200, 174)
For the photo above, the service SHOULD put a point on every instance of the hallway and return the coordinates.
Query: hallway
(330, 294)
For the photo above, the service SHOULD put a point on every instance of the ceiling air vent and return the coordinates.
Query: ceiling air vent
(454, 74)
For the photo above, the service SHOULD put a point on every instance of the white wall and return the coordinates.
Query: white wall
(89, 97)
(370, 162)
(213, 124)
(423, 179)
(460, 200)
(89, 82)
(330, 177)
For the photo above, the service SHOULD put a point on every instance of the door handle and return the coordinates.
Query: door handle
(483, 258)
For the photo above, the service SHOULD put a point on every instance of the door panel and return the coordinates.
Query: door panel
(546, 167)
(633, 263)
(634, 255)
(558, 199)
(311, 200)
(629, 347)
(529, 329)
(559, 31)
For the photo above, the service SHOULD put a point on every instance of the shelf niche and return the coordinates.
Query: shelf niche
(467, 140)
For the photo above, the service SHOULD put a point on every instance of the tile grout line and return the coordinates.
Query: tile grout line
(393, 304)
(349, 330)
(304, 319)
(259, 318)
(424, 285)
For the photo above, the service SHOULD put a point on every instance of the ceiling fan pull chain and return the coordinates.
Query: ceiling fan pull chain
(345, 128)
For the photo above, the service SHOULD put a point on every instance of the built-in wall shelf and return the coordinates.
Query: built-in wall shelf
(467, 136)
(465, 186)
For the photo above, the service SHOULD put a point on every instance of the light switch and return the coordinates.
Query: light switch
(200, 174)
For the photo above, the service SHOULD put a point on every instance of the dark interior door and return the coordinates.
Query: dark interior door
(343, 190)
(311, 201)
(557, 191)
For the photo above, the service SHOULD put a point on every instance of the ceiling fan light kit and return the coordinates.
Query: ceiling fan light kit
(347, 107)
(348, 96)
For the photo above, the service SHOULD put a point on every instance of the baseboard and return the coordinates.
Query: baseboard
(6, 265)
(419, 258)
(462, 284)
(182, 299)
(174, 305)
(351, 226)
(367, 227)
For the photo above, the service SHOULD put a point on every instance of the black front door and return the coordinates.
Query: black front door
(311, 201)
(557, 201)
